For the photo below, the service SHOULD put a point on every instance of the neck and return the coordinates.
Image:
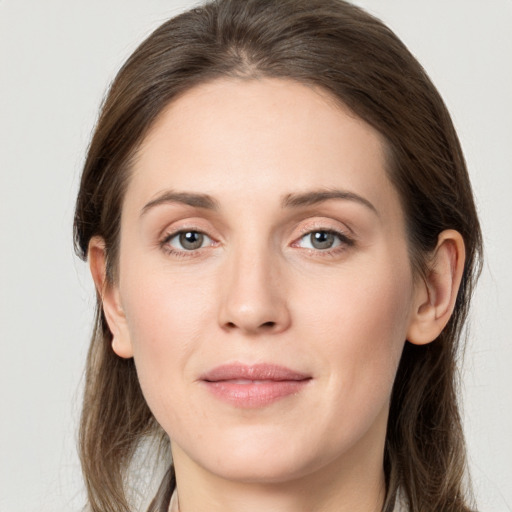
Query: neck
(352, 483)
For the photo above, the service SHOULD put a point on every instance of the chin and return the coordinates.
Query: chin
(263, 470)
(275, 460)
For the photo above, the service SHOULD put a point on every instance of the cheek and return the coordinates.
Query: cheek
(361, 321)
(164, 321)
(363, 306)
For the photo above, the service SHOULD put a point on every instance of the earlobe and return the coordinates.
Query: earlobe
(110, 299)
(435, 296)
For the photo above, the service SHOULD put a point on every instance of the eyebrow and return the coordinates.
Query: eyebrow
(319, 196)
(298, 200)
(188, 198)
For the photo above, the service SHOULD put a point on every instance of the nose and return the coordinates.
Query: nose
(253, 294)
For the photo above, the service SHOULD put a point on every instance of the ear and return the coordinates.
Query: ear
(110, 299)
(435, 295)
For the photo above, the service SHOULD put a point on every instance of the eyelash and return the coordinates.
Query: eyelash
(345, 242)
(183, 253)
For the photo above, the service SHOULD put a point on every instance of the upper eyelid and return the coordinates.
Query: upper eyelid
(167, 236)
(340, 228)
(323, 227)
(337, 232)
(169, 232)
(305, 227)
(343, 237)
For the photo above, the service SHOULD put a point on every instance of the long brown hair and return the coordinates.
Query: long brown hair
(359, 61)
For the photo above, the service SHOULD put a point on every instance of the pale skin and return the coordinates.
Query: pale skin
(301, 260)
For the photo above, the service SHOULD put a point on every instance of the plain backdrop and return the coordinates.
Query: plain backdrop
(56, 60)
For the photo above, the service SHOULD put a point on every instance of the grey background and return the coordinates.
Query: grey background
(56, 59)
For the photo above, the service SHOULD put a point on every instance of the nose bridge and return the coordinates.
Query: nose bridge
(253, 293)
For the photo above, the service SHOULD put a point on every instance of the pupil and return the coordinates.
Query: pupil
(191, 240)
(322, 240)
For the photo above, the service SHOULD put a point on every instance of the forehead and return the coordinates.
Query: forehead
(269, 137)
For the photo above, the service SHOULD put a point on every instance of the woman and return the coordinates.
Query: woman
(282, 233)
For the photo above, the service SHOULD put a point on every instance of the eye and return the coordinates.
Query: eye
(323, 240)
(188, 240)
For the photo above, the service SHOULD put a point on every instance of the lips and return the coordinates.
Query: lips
(252, 386)
(252, 372)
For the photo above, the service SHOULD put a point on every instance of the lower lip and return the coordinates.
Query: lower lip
(254, 394)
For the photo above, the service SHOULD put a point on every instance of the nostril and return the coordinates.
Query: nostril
(265, 326)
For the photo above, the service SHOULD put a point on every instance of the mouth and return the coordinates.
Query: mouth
(253, 386)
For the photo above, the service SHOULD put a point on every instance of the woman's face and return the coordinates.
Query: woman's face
(265, 289)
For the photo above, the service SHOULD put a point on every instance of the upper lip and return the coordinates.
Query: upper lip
(262, 371)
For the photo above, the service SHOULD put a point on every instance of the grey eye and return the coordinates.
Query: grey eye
(189, 240)
(321, 240)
